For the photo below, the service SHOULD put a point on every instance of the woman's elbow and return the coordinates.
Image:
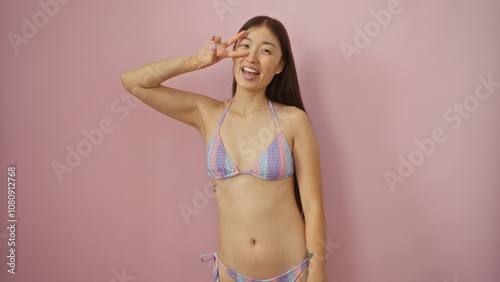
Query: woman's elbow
(132, 86)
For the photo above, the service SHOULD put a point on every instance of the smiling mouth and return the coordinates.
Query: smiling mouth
(250, 73)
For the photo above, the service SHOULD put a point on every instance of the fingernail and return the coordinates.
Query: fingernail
(212, 38)
(215, 46)
(210, 48)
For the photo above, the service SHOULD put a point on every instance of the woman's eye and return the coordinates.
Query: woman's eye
(266, 51)
(244, 45)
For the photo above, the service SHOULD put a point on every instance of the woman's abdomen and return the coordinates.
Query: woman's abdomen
(261, 233)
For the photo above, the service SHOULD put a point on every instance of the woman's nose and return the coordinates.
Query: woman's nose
(252, 56)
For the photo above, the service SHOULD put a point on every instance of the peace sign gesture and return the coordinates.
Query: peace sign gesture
(214, 51)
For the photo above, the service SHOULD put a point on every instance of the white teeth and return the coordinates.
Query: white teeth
(250, 70)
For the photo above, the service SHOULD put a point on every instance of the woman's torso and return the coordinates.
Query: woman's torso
(261, 231)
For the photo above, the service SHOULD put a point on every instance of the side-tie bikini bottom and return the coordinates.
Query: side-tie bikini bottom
(289, 276)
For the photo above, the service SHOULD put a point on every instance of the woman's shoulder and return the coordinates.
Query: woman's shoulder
(210, 106)
(291, 113)
(211, 111)
(293, 121)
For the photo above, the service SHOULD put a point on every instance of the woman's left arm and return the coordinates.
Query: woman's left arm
(308, 172)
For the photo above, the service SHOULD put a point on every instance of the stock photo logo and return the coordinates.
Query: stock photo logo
(224, 6)
(329, 246)
(31, 26)
(373, 28)
(200, 201)
(121, 277)
(93, 137)
(454, 117)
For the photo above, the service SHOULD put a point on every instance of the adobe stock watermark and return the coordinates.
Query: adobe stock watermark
(373, 28)
(224, 6)
(329, 246)
(454, 116)
(121, 277)
(200, 201)
(93, 137)
(30, 26)
(454, 280)
(254, 146)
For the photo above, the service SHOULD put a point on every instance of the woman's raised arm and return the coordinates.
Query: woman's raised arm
(145, 82)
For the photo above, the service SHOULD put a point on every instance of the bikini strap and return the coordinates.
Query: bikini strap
(224, 114)
(216, 264)
(270, 105)
(274, 114)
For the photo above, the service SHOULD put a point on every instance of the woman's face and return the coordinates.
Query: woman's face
(255, 71)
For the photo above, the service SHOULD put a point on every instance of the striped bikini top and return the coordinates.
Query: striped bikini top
(275, 163)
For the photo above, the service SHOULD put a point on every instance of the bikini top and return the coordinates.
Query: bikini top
(275, 163)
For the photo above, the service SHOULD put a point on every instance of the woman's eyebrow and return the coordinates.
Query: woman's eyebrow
(263, 42)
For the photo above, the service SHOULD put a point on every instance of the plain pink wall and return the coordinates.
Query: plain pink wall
(375, 84)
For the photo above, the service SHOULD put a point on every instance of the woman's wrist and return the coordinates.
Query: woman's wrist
(316, 271)
(192, 63)
(317, 277)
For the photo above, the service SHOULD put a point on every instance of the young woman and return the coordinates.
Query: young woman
(262, 154)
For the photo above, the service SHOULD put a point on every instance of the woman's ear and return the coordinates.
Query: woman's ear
(281, 66)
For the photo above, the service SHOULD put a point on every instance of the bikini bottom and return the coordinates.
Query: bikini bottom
(289, 276)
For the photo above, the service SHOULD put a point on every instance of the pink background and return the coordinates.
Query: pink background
(117, 215)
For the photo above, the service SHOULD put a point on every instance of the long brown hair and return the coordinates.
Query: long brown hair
(284, 88)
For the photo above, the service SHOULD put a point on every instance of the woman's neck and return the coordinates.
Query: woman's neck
(246, 102)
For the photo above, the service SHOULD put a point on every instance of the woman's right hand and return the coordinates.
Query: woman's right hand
(215, 50)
